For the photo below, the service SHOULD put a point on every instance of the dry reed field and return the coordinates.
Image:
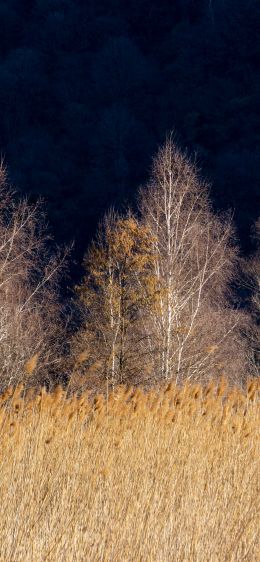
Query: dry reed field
(171, 475)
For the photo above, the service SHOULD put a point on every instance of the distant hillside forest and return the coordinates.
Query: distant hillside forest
(88, 91)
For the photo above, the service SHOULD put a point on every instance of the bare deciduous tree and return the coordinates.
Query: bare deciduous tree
(29, 309)
(195, 330)
(251, 281)
(254, 271)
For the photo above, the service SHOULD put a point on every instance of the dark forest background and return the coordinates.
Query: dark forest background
(88, 90)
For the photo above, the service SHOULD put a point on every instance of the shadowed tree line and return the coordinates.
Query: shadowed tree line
(157, 300)
(89, 89)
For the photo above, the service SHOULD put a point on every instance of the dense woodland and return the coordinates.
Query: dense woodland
(88, 91)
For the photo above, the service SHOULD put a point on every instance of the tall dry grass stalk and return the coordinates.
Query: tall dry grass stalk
(169, 475)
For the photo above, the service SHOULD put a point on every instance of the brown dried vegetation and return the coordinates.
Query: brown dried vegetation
(130, 476)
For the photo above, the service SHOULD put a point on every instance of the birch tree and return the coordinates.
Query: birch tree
(195, 330)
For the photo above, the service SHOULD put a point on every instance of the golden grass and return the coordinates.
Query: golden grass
(31, 364)
(159, 477)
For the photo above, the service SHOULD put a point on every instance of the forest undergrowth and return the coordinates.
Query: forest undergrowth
(171, 474)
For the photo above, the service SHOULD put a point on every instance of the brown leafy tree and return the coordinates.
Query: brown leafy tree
(117, 292)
